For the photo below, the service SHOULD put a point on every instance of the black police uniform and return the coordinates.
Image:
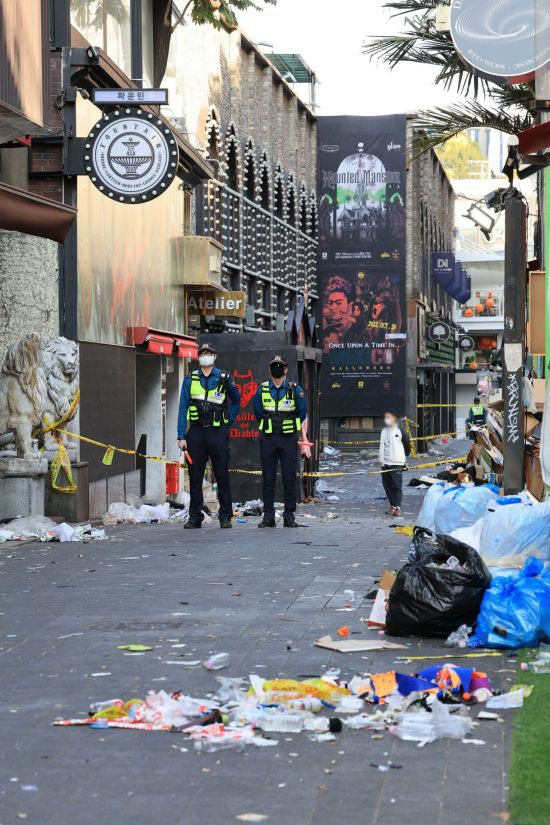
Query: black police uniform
(280, 412)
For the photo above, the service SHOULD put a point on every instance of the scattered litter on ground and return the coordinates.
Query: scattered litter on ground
(542, 663)
(459, 638)
(422, 707)
(403, 529)
(120, 512)
(217, 662)
(513, 699)
(135, 648)
(42, 528)
(357, 645)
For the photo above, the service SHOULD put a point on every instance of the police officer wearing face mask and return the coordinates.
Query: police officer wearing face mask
(209, 404)
(280, 407)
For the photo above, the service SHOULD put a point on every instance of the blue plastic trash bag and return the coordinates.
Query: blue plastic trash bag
(426, 517)
(461, 507)
(513, 532)
(515, 611)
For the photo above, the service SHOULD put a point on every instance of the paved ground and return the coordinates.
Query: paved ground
(65, 608)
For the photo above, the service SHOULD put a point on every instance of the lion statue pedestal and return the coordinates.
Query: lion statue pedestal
(22, 487)
(38, 388)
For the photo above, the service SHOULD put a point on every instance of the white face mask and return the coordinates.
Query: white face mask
(389, 422)
(206, 360)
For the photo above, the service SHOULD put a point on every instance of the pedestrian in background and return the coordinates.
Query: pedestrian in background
(209, 404)
(280, 408)
(395, 446)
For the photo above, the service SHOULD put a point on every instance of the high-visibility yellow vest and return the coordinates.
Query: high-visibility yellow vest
(478, 412)
(207, 407)
(279, 416)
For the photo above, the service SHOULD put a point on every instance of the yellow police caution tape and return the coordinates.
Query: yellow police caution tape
(61, 460)
(426, 406)
(377, 440)
(406, 469)
(111, 449)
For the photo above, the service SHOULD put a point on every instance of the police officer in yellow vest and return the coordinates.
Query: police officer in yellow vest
(280, 407)
(209, 404)
(477, 416)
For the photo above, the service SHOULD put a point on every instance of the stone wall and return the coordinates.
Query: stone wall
(28, 287)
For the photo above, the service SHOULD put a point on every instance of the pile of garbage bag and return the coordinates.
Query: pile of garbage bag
(515, 611)
(422, 707)
(440, 588)
(463, 532)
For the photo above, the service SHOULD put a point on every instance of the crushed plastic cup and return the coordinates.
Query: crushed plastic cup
(423, 727)
(349, 596)
(460, 637)
(217, 661)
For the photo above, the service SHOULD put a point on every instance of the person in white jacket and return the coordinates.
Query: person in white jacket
(395, 446)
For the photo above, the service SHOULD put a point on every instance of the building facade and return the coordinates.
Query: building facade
(430, 229)
(135, 283)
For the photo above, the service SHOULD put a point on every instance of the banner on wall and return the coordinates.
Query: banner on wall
(362, 188)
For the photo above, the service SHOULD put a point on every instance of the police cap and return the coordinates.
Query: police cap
(207, 348)
(278, 359)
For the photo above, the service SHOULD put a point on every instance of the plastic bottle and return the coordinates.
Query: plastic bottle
(282, 723)
(317, 724)
(217, 662)
(96, 707)
(349, 596)
(311, 703)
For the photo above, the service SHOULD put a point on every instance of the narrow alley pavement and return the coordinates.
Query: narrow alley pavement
(263, 597)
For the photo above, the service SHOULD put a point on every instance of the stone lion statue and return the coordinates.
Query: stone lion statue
(38, 381)
(61, 368)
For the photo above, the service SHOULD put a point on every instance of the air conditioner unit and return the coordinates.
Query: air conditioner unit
(201, 262)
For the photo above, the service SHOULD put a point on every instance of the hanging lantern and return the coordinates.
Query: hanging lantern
(479, 308)
(490, 301)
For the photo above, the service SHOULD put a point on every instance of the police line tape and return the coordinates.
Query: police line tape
(110, 450)
(377, 440)
(425, 406)
(424, 466)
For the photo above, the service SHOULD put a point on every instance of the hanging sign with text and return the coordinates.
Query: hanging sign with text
(214, 302)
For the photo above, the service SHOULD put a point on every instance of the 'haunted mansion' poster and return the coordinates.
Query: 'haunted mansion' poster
(362, 184)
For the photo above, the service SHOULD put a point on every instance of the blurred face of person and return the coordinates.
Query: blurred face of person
(356, 311)
(390, 419)
(338, 306)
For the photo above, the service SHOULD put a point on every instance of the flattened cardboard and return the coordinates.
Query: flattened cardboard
(387, 581)
(357, 645)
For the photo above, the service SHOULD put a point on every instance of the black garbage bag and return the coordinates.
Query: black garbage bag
(428, 600)
(424, 545)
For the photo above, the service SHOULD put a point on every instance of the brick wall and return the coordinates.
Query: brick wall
(218, 70)
(46, 152)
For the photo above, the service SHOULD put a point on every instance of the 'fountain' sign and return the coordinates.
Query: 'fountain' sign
(131, 156)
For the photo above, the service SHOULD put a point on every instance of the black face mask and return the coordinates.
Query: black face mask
(277, 370)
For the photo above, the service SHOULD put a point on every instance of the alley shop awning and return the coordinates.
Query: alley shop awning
(160, 342)
(22, 211)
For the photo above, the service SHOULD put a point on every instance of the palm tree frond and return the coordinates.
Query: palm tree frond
(438, 125)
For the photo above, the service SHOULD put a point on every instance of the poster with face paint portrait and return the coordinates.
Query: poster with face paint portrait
(362, 264)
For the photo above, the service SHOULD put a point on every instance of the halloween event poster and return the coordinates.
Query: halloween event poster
(362, 248)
